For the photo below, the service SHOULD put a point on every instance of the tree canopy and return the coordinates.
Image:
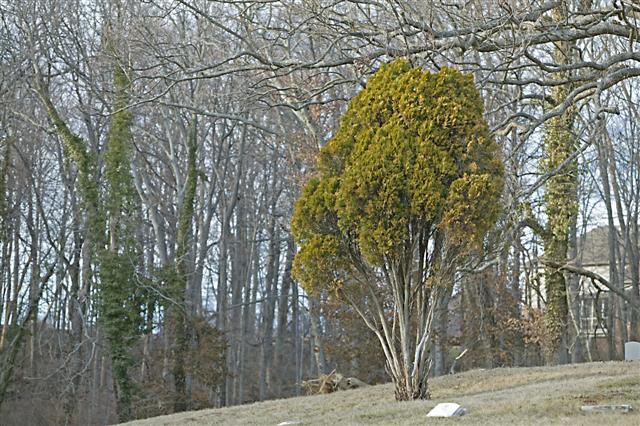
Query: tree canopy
(409, 182)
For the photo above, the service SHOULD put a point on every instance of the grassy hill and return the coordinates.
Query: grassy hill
(539, 395)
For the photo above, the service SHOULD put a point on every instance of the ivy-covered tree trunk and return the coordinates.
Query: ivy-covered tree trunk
(561, 209)
(114, 257)
(179, 310)
(561, 206)
(92, 233)
(120, 305)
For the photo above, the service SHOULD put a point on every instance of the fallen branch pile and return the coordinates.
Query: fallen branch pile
(332, 382)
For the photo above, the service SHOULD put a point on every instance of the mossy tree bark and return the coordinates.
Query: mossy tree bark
(561, 209)
(561, 206)
(179, 311)
(120, 301)
(77, 152)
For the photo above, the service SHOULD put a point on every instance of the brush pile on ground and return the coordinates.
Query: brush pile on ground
(332, 382)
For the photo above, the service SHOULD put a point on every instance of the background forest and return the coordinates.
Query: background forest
(151, 153)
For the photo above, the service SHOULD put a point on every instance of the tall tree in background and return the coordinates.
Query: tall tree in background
(120, 302)
(91, 233)
(407, 186)
(114, 258)
(179, 309)
(560, 200)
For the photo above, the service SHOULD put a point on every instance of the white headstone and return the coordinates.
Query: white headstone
(290, 422)
(632, 351)
(621, 408)
(446, 409)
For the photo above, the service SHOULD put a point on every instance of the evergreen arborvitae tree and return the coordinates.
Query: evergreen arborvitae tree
(408, 185)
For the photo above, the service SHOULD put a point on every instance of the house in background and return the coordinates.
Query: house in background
(597, 312)
(479, 330)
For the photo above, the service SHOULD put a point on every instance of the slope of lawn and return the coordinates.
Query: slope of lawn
(509, 396)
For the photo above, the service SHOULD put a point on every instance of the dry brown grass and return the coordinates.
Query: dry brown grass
(509, 396)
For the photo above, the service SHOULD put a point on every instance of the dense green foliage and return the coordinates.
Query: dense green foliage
(120, 297)
(406, 188)
(412, 155)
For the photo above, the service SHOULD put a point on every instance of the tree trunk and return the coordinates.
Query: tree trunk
(441, 321)
(560, 202)
(575, 335)
(248, 318)
(238, 282)
(281, 362)
(268, 307)
(180, 317)
(297, 338)
(316, 336)
(634, 266)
